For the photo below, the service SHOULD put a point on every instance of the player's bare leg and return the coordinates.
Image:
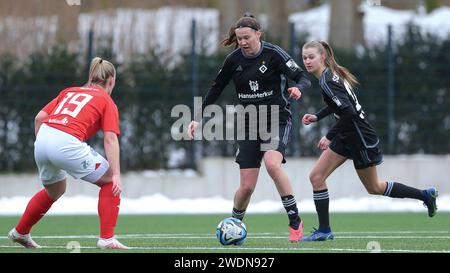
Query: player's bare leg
(374, 185)
(273, 161)
(327, 163)
(248, 180)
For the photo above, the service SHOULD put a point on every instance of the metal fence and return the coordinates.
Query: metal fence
(404, 91)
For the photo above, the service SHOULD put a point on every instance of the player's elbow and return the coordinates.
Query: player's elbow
(40, 117)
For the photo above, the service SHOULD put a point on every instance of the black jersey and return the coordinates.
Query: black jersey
(343, 103)
(260, 79)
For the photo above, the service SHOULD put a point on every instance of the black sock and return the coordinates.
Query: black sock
(322, 201)
(238, 214)
(290, 205)
(399, 190)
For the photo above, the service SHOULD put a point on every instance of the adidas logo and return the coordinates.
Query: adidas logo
(239, 69)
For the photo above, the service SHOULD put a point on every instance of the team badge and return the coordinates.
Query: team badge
(263, 69)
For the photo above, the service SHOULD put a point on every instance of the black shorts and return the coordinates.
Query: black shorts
(250, 152)
(363, 153)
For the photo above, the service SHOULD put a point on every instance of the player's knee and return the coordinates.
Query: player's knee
(317, 180)
(272, 167)
(247, 190)
(56, 192)
(61, 192)
(105, 178)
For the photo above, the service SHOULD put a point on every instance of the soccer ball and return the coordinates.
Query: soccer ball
(231, 231)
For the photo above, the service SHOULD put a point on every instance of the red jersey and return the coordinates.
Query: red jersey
(82, 112)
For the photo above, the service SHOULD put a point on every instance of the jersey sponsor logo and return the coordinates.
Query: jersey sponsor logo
(63, 121)
(337, 101)
(293, 66)
(263, 69)
(256, 95)
(254, 86)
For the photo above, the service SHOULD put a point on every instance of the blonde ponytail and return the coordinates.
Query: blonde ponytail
(100, 71)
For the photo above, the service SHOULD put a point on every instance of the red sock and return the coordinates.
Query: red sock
(108, 210)
(36, 209)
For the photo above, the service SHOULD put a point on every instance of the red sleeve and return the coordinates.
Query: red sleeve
(50, 106)
(110, 120)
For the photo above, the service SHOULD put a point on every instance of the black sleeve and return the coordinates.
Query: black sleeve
(338, 95)
(290, 68)
(324, 112)
(303, 83)
(219, 84)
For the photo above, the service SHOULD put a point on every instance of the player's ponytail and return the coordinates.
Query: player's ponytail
(331, 63)
(248, 20)
(100, 71)
(231, 39)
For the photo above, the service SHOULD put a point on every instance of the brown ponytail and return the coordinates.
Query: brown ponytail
(248, 20)
(331, 63)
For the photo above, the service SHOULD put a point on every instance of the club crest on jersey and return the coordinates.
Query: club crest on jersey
(254, 86)
(292, 65)
(263, 69)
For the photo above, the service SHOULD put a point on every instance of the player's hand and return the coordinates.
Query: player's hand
(117, 185)
(323, 143)
(191, 129)
(294, 93)
(308, 119)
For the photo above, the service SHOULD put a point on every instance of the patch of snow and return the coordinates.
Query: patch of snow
(159, 204)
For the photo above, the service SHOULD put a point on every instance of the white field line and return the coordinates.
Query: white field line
(177, 235)
(241, 249)
(249, 237)
(266, 235)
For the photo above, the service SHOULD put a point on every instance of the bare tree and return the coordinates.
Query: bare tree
(346, 24)
(276, 13)
(278, 22)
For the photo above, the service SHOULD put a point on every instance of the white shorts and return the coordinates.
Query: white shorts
(58, 153)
